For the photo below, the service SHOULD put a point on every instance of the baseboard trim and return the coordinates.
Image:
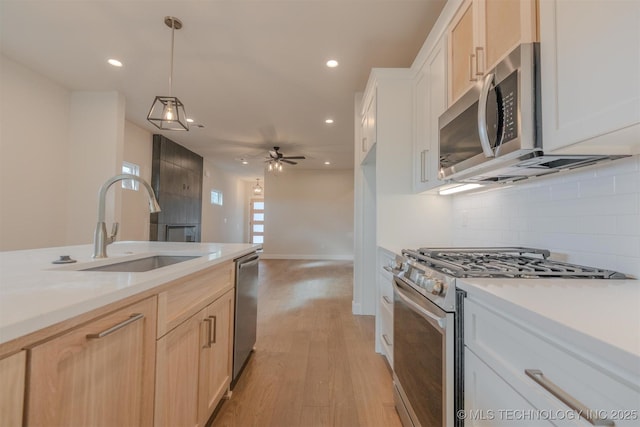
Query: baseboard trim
(308, 257)
(356, 307)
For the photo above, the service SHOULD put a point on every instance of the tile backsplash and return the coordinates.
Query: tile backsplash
(589, 216)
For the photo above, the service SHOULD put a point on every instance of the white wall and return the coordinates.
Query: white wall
(309, 214)
(34, 141)
(589, 217)
(58, 147)
(95, 154)
(134, 208)
(226, 223)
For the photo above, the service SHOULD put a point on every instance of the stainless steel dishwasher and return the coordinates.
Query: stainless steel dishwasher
(246, 311)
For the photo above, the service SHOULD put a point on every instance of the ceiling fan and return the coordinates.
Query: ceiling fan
(276, 156)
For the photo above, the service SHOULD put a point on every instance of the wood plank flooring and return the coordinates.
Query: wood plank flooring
(314, 363)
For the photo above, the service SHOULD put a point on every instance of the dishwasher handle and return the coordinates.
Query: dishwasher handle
(243, 263)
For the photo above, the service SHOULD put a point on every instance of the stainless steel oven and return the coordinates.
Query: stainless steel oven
(423, 358)
(428, 358)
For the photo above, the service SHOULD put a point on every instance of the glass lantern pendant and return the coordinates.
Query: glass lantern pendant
(167, 112)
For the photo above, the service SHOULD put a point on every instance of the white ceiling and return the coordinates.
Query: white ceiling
(251, 72)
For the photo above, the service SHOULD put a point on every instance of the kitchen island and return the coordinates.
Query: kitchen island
(123, 347)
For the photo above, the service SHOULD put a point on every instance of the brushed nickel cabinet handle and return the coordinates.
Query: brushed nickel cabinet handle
(214, 330)
(133, 318)
(479, 52)
(364, 144)
(586, 413)
(387, 300)
(209, 323)
(424, 175)
(386, 340)
(472, 75)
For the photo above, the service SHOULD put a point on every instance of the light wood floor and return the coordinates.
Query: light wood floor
(314, 363)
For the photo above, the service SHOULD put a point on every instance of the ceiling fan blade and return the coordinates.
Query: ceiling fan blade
(288, 161)
(294, 157)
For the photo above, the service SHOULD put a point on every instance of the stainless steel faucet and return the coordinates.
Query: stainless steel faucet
(100, 239)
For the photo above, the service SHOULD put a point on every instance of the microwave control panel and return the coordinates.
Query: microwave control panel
(508, 94)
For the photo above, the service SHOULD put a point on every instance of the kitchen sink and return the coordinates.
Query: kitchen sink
(142, 264)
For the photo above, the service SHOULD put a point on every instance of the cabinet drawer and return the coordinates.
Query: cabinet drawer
(490, 401)
(386, 329)
(510, 347)
(185, 297)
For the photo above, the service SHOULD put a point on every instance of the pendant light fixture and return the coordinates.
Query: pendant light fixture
(167, 112)
(257, 189)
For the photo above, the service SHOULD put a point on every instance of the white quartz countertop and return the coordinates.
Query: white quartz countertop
(601, 317)
(34, 293)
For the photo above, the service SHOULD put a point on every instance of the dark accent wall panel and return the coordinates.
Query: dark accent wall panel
(176, 178)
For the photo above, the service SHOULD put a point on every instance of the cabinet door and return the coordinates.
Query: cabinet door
(490, 401)
(99, 374)
(482, 33)
(590, 76)
(430, 103)
(216, 354)
(12, 379)
(462, 55)
(369, 123)
(177, 374)
(506, 24)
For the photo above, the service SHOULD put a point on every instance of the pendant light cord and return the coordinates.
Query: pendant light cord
(173, 28)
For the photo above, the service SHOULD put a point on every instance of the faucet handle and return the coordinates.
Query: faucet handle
(114, 232)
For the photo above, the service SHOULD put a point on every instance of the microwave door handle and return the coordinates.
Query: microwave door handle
(483, 132)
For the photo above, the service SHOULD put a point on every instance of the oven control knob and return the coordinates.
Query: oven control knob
(437, 287)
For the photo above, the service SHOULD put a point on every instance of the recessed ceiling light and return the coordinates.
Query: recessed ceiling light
(190, 120)
(115, 62)
(329, 121)
(332, 63)
(244, 162)
(327, 163)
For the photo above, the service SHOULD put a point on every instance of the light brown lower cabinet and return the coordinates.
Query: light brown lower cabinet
(98, 374)
(216, 357)
(193, 366)
(12, 379)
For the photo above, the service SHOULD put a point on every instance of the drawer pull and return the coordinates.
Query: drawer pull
(214, 330)
(387, 300)
(133, 318)
(386, 340)
(209, 322)
(567, 399)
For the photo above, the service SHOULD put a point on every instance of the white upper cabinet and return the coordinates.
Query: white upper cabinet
(481, 34)
(590, 76)
(368, 123)
(430, 101)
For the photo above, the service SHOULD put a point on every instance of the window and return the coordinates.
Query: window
(216, 197)
(132, 169)
(256, 224)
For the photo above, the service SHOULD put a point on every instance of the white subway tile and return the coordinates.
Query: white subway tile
(565, 190)
(599, 186)
(627, 183)
(628, 224)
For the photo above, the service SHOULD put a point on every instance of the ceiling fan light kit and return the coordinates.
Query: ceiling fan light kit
(276, 159)
(167, 112)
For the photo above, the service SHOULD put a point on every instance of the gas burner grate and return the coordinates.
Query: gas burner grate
(510, 262)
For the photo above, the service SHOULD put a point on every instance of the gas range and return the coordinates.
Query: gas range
(433, 271)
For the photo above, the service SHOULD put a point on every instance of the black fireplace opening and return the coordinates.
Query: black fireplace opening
(181, 233)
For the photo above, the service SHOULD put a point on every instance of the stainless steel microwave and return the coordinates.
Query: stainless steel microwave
(493, 133)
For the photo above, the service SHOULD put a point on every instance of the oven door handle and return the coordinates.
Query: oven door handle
(436, 321)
